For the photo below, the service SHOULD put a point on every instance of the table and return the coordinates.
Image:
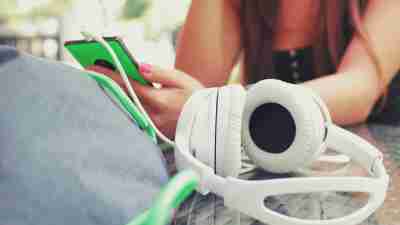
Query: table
(209, 210)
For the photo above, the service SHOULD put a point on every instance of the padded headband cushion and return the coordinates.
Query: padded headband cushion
(290, 122)
(231, 100)
(217, 130)
(215, 135)
(202, 140)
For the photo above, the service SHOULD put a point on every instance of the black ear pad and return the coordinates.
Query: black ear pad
(278, 122)
(283, 127)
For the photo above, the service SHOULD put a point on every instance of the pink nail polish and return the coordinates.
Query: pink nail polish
(144, 68)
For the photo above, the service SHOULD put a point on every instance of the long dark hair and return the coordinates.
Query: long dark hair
(340, 19)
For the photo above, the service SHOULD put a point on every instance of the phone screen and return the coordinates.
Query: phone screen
(88, 53)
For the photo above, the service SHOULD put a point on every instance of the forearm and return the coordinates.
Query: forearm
(380, 22)
(207, 48)
(352, 93)
(349, 99)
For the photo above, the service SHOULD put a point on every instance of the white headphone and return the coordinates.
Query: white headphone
(283, 128)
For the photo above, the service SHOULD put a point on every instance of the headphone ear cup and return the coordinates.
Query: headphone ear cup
(231, 100)
(283, 127)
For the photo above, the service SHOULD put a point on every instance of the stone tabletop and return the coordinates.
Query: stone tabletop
(204, 210)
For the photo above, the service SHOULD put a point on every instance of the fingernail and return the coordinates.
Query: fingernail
(145, 68)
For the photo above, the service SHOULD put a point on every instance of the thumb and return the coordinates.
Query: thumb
(166, 77)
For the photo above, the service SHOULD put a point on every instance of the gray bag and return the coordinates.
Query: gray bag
(68, 154)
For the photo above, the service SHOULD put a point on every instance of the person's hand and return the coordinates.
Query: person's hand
(162, 104)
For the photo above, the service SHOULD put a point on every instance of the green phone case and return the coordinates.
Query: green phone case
(87, 52)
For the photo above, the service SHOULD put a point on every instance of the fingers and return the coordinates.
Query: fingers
(108, 72)
(100, 69)
(154, 74)
(167, 78)
(162, 104)
(150, 97)
(148, 94)
(154, 98)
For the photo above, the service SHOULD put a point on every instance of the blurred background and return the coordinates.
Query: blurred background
(40, 27)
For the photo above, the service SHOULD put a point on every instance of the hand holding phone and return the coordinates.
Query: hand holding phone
(89, 53)
(100, 58)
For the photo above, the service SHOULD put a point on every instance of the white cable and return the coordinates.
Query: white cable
(131, 92)
(338, 159)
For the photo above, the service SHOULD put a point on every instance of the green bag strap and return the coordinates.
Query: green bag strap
(176, 191)
(112, 87)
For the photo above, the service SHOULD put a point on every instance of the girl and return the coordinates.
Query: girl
(348, 51)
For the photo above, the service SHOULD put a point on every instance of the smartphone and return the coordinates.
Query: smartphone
(89, 53)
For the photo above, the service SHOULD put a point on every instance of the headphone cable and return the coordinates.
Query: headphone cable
(125, 79)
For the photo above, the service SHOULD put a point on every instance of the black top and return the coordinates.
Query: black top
(296, 66)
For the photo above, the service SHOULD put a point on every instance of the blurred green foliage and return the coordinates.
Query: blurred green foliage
(9, 10)
(52, 9)
(134, 9)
